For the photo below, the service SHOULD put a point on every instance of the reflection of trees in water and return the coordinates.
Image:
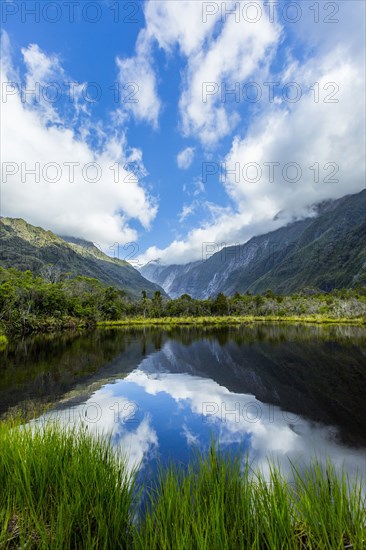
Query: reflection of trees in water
(320, 368)
(250, 334)
(223, 337)
(143, 344)
(157, 338)
(44, 367)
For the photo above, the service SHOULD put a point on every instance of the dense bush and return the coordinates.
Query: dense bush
(30, 303)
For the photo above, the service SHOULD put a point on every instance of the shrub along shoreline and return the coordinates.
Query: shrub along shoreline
(63, 488)
(30, 303)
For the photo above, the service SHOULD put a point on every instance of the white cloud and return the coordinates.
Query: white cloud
(138, 83)
(239, 52)
(179, 23)
(340, 23)
(185, 158)
(187, 210)
(306, 132)
(169, 24)
(218, 50)
(41, 70)
(240, 49)
(229, 227)
(99, 211)
(40, 67)
(195, 187)
(192, 440)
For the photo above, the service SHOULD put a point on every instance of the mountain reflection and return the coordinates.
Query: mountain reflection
(283, 391)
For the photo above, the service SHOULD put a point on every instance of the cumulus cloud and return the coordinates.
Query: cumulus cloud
(317, 146)
(179, 24)
(138, 80)
(40, 67)
(320, 145)
(168, 24)
(290, 154)
(229, 227)
(239, 52)
(185, 158)
(219, 53)
(274, 139)
(77, 189)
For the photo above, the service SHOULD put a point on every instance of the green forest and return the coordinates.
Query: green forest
(28, 303)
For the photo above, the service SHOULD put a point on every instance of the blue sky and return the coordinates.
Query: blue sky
(175, 59)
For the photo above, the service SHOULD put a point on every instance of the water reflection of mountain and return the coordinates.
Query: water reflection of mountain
(305, 370)
(311, 371)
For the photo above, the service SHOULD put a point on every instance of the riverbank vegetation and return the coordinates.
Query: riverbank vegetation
(62, 490)
(66, 489)
(231, 320)
(29, 303)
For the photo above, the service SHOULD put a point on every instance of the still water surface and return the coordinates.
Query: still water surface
(277, 391)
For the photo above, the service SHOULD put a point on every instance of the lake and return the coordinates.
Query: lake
(281, 391)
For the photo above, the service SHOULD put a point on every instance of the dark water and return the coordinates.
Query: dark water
(281, 391)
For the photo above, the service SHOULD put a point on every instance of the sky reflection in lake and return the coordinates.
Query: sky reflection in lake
(256, 396)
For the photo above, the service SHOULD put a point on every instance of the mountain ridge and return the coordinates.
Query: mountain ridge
(25, 246)
(324, 251)
(312, 252)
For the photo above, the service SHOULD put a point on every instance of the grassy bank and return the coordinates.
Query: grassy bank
(59, 490)
(230, 320)
(62, 490)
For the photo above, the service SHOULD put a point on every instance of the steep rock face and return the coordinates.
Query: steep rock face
(25, 246)
(170, 276)
(326, 251)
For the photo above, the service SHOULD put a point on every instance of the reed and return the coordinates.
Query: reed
(63, 488)
(219, 504)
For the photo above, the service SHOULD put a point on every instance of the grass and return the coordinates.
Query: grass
(218, 505)
(229, 320)
(65, 489)
(61, 489)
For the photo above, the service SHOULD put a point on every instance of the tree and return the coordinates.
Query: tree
(259, 301)
(157, 304)
(111, 306)
(184, 305)
(144, 302)
(186, 297)
(220, 305)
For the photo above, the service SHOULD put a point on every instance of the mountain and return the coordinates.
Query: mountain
(326, 251)
(170, 276)
(25, 246)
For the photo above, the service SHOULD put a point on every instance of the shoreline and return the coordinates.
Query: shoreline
(230, 321)
(50, 328)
